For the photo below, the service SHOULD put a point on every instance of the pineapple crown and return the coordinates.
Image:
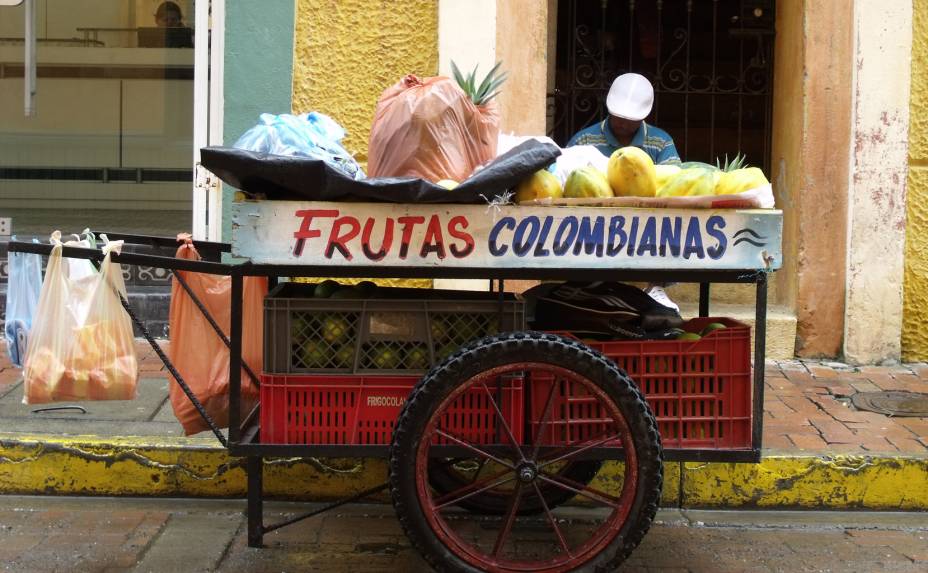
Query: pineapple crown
(486, 90)
(737, 163)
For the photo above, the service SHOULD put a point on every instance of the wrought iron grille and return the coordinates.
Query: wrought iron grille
(710, 61)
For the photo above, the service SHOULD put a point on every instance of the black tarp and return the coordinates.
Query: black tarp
(300, 178)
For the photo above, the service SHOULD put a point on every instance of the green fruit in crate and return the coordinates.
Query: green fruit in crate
(347, 293)
(299, 328)
(446, 350)
(325, 289)
(314, 354)
(711, 327)
(367, 289)
(344, 358)
(467, 327)
(335, 329)
(417, 357)
(385, 357)
(689, 336)
(439, 327)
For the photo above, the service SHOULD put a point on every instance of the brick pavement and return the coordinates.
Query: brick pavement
(807, 408)
(806, 405)
(120, 535)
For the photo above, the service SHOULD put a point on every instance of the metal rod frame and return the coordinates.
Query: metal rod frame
(244, 438)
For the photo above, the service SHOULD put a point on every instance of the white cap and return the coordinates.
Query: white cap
(630, 97)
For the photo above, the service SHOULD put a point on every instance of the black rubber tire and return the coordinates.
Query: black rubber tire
(581, 472)
(501, 349)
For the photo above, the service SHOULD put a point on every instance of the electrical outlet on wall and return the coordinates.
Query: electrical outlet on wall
(6, 226)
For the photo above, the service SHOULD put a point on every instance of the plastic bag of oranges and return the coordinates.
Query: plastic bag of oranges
(81, 346)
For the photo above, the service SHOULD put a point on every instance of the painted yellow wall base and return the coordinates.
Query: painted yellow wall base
(840, 482)
(172, 467)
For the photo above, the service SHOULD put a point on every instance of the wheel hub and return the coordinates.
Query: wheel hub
(527, 472)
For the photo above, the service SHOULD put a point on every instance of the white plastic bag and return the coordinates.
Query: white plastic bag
(572, 158)
(22, 296)
(81, 345)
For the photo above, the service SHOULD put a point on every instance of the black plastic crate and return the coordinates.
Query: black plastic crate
(396, 331)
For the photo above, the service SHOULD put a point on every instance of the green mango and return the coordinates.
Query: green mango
(711, 327)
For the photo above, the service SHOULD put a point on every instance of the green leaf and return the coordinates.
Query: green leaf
(488, 98)
(471, 82)
(485, 84)
(458, 77)
(486, 89)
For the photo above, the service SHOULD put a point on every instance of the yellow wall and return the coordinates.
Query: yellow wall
(915, 311)
(348, 51)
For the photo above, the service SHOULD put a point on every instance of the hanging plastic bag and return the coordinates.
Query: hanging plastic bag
(431, 129)
(199, 355)
(81, 345)
(312, 134)
(24, 284)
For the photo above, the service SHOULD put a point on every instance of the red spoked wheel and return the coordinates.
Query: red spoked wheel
(518, 409)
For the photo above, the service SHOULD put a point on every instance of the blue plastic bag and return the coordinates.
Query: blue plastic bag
(313, 135)
(22, 296)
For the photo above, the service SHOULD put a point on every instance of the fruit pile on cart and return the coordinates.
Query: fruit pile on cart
(510, 448)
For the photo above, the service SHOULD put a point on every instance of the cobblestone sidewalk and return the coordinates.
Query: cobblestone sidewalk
(120, 535)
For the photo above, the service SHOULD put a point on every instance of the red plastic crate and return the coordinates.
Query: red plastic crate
(362, 410)
(700, 391)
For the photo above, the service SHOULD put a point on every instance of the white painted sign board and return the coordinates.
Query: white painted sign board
(478, 236)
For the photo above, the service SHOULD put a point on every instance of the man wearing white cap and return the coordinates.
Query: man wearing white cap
(629, 102)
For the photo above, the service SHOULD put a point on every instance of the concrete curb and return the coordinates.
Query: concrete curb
(161, 467)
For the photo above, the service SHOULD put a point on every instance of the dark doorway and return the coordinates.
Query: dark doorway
(710, 61)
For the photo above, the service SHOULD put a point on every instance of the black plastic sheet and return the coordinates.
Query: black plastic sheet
(300, 178)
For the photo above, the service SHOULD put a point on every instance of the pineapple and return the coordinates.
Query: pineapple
(487, 89)
(737, 177)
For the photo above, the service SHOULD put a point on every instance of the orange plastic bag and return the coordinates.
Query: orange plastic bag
(430, 129)
(200, 356)
(81, 346)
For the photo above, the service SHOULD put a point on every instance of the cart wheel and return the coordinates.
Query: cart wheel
(582, 407)
(455, 473)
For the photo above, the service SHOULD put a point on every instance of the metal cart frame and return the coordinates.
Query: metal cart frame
(243, 434)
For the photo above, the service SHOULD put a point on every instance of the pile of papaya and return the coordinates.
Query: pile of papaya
(632, 173)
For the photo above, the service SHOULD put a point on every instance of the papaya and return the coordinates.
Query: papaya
(540, 185)
(664, 173)
(690, 182)
(587, 182)
(631, 173)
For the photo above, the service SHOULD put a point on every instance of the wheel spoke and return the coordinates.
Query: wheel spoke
(471, 490)
(475, 449)
(502, 420)
(510, 519)
(577, 449)
(583, 490)
(552, 521)
(539, 434)
(483, 463)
